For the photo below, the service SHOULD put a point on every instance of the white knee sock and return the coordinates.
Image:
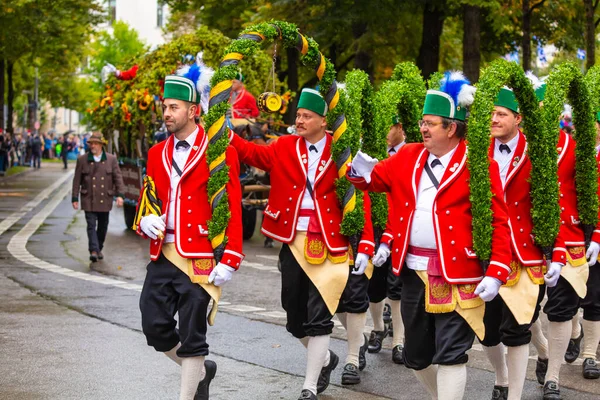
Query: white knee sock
(376, 310)
(172, 354)
(497, 358)
(559, 334)
(318, 348)
(517, 358)
(538, 339)
(356, 338)
(428, 378)
(591, 337)
(451, 381)
(575, 327)
(192, 372)
(342, 318)
(398, 324)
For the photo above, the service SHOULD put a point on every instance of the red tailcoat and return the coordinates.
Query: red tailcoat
(192, 209)
(400, 175)
(284, 160)
(570, 233)
(388, 233)
(244, 106)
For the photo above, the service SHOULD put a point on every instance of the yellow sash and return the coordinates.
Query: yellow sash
(473, 315)
(329, 278)
(577, 270)
(185, 265)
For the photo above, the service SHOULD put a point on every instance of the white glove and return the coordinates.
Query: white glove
(592, 253)
(220, 274)
(488, 288)
(551, 277)
(383, 252)
(362, 165)
(152, 225)
(360, 264)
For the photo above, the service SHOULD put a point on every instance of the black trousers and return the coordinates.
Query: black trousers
(502, 327)
(355, 298)
(430, 338)
(591, 303)
(97, 226)
(167, 291)
(307, 313)
(563, 302)
(384, 284)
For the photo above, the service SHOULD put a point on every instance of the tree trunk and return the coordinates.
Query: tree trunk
(433, 22)
(2, 72)
(526, 42)
(363, 59)
(471, 42)
(590, 34)
(10, 98)
(292, 80)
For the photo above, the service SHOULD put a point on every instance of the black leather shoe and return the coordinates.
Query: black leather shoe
(541, 367)
(350, 375)
(376, 340)
(100, 256)
(211, 370)
(93, 256)
(362, 358)
(323, 381)
(574, 348)
(397, 354)
(590, 369)
(500, 393)
(387, 313)
(551, 391)
(307, 395)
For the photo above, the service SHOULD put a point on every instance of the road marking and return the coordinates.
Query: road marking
(243, 308)
(16, 216)
(272, 258)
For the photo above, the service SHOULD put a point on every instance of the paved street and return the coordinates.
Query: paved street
(71, 330)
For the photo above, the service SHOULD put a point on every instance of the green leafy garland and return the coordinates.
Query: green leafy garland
(566, 83)
(544, 186)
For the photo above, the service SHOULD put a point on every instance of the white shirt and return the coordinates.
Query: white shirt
(396, 148)
(422, 233)
(313, 164)
(180, 156)
(97, 158)
(503, 158)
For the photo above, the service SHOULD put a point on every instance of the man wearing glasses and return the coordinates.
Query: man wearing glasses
(444, 286)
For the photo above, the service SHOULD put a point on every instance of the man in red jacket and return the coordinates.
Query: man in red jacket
(243, 104)
(444, 285)
(509, 316)
(305, 214)
(183, 275)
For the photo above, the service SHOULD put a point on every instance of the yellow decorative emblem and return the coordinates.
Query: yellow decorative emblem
(440, 290)
(315, 246)
(203, 264)
(577, 251)
(467, 289)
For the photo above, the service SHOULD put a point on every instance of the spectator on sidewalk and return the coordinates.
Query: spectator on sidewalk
(97, 179)
(36, 151)
(64, 149)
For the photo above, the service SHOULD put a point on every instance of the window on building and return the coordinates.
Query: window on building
(112, 11)
(160, 6)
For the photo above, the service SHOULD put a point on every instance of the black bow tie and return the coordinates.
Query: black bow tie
(504, 147)
(435, 162)
(182, 144)
(391, 151)
(313, 147)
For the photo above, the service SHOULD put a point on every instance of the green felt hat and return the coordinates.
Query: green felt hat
(540, 92)
(598, 116)
(312, 100)
(395, 120)
(240, 77)
(180, 88)
(441, 104)
(506, 98)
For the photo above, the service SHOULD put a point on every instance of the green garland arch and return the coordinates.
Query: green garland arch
(245, 46)
(566, 83)
(544, 187)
